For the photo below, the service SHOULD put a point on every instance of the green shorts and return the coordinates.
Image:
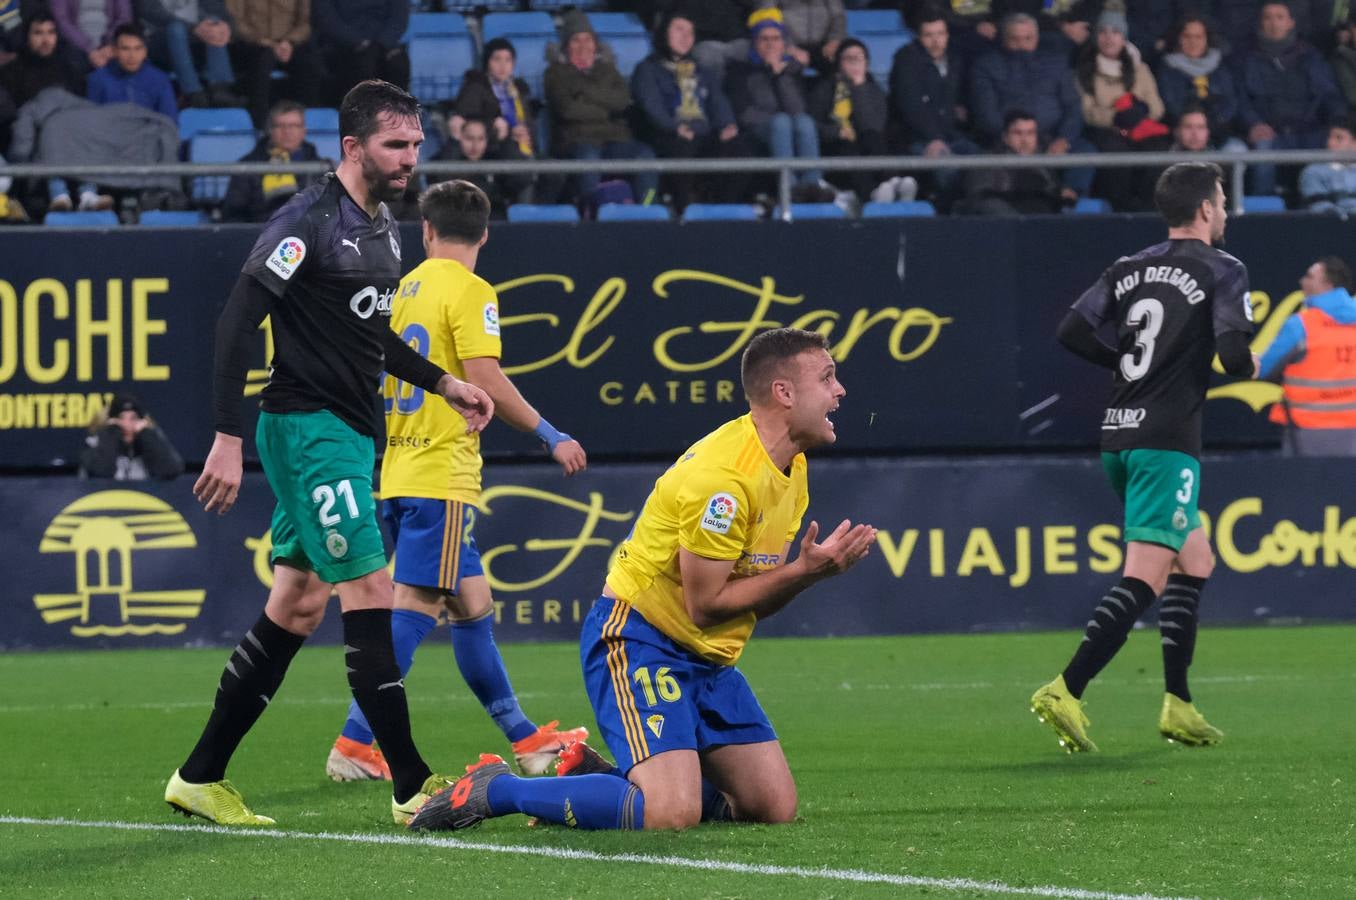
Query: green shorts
(1160, 489)
(320, 470)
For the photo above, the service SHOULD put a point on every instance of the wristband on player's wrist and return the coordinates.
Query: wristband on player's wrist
(547, 434)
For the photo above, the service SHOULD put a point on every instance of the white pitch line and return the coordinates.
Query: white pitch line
(858, 876)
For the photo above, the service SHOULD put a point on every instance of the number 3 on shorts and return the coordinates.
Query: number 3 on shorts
(1188, 482)
(325, 496)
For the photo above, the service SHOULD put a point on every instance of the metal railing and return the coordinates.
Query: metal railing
(1235, 164)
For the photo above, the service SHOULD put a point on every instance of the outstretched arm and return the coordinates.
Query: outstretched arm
(513, 408)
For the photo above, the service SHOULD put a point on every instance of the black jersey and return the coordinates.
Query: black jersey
(1168, 303)
(334, 272)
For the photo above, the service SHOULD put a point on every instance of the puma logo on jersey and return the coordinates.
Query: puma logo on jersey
(354, 244)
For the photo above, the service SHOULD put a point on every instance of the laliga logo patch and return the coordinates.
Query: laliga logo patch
(720, 513)
(492, 319)
(286, 257)
(336, 544)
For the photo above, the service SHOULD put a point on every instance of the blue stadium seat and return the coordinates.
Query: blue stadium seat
(216, 147)
(585, 5)
(801, 211)
(193, 121)
(721, 212)
(437, 64)
(326, 144)
(172, 218)
(513, 25)
(626, 36)
(881, 48)
(1263, 204)
(534, 212)
(426, 23)
(321, 118)
(82, 218)
(898, 209)
(874, 21)
(471, 6)
(1089, 206)
(633, 212)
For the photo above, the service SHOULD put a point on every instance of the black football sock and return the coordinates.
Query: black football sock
(1106, 632)
(248, 683)
(379, 689)
(1177, 620)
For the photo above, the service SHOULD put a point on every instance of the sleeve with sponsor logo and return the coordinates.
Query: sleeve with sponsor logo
(473, 319)
(713, 514)
(1233, 304)
(284, 247)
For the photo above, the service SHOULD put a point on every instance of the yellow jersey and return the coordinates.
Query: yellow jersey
(723, 499)
(449, 314)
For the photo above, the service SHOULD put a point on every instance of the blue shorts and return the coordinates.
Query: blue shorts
(650, 695)
(433, 543)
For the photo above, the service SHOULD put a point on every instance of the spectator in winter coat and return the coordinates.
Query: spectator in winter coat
(253, 198)
(125, 444)
(814, 31)
(927, 80)
(1287, 93)
(1122, 111)
(850, 110)
(129, 78)
(1193, 72)
(360, 39)
(589, 103)
(89, 29)
(474, 144)
(1331, 187)
(1014, 191)
(1019, 76)
(494, 94)
(273, 35)
(38, 64)
(768, 95)
(190, 38)
(686, 113)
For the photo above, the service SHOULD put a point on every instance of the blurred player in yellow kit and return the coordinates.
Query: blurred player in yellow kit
(430, 480)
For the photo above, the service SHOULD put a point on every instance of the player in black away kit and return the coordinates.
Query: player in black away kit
(1171, 306)
(325, 270)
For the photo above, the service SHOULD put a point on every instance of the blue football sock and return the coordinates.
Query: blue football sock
(483, 670)
(408, 628)
(579, 801)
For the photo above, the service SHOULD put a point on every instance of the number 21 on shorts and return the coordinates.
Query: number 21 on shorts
(326, 497)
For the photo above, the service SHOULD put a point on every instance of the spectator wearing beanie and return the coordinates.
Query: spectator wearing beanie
(589, 102)
(1121, 109)
(686, 114)
(495, 95)
(768, 95)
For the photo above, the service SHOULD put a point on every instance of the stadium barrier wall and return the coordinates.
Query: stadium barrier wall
(629, 335)
(978, 545)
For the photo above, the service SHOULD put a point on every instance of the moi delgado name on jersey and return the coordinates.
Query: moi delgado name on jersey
(1170, 275)
(368, 301)
(1117, 418)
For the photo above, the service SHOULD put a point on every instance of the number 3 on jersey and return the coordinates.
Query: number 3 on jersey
(1146, 317)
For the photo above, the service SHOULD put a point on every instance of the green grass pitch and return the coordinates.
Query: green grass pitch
(916, 758)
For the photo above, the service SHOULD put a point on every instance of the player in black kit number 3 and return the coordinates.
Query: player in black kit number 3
(1171, 306)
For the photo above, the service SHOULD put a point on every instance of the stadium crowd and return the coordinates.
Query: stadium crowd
(89, 81)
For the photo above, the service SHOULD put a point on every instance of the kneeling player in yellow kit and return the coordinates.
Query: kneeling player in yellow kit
(707, 559)
(430, 480)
